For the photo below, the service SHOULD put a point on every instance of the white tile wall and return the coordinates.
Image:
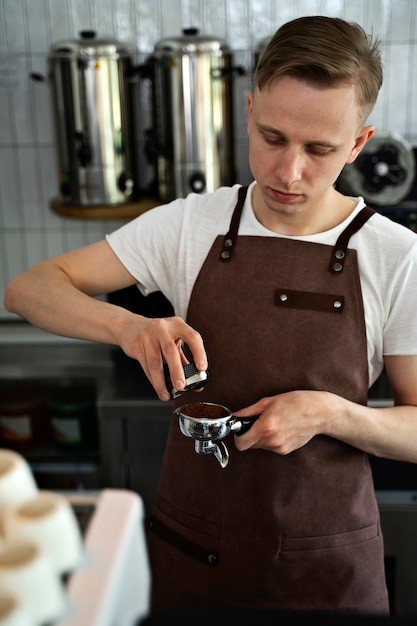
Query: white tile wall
(29, 230)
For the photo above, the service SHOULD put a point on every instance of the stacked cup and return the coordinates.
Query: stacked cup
(11, 611)
(41, 543)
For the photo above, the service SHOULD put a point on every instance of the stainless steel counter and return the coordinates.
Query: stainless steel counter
(26, 352)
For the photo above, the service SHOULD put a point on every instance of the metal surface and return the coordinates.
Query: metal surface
(384, 171)
(89, 81)
(55, 361)
(208, 424)
(194, 379)
(192, 139)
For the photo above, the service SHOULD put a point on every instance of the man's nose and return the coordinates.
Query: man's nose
(289, 167)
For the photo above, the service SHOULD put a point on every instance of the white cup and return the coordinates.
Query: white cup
(11, 611)
(27, 573)
(17, 483)
(48, 520)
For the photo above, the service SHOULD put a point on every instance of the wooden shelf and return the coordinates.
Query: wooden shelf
(125, 211)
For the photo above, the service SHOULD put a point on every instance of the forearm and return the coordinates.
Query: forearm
(288, 421)
(49, 300)
(59, 295)
(388, 432)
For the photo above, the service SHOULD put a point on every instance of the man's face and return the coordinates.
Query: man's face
(300, 137)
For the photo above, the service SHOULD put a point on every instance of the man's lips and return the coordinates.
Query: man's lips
(284, 196)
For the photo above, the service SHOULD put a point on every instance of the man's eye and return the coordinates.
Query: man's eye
(275, 141)
(320, 152)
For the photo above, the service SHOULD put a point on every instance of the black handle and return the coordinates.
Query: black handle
(246, 425)
(217, 73)
(38, 78)
(88, 34)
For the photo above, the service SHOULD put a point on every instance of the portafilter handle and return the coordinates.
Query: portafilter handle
(240, 427)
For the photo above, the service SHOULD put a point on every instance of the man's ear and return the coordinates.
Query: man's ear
(250, 106)
(364, 135)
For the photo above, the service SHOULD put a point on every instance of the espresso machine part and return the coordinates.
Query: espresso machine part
(208, 424)
(191, 140)
(89, 80)
(383, 173)
(194, 379)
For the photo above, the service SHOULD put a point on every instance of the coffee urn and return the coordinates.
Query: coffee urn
(89, 80)
(191, 140)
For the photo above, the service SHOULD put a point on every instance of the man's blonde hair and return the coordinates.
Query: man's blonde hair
(324, 51)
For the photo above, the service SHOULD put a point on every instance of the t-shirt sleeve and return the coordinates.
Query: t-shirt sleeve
(147, 246)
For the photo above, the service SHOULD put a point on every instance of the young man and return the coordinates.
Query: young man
(298, 303)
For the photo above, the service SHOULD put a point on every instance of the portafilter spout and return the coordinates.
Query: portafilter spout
(211, 447)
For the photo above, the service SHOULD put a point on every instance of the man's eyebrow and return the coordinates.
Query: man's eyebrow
(274, 131)
(270, 129)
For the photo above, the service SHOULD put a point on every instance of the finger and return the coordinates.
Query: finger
(160, 348)
(180, 346)
(245, 441)
(195, 346)
(163, 342)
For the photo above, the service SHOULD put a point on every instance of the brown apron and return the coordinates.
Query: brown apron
(300, 531)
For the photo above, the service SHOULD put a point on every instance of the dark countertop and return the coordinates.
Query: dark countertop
(18, 361)
(117, 378)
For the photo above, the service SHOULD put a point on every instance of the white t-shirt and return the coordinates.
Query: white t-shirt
(165, 248)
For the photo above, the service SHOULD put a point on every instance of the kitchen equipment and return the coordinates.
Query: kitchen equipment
(12, 613)
(17, 483)
(194, 379)
(191, 142)
(90, 86)
(73, 417)
(208, 424)
(46, 519)
(383, 173)
(23, 416)
(27, 573)
(112, 585)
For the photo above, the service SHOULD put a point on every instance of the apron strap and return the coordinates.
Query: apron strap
(230, 237)
(337, 260)
(338, 251)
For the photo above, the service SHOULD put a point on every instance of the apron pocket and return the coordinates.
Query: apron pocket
(338, 540)
(194, 536)
(343, 571)
(183, 544)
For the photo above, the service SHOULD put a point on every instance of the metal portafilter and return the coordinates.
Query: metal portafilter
(208, 424)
